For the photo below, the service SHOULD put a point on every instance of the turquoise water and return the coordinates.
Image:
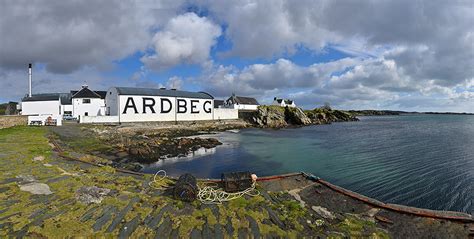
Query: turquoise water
(417, 160)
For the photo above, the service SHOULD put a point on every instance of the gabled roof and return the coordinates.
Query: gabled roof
(42, 97)
(243, 100)
(101, 93)
(218, 103)
(162, 92)
(65, 98)
(85, 93)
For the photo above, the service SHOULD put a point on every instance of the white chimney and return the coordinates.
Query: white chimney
(29, 79)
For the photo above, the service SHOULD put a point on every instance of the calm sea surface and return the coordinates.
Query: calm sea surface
(417, 160)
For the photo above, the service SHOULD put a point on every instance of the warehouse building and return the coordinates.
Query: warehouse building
(148, 104)
(88, 103)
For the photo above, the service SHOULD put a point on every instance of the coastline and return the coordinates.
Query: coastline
(134, 205)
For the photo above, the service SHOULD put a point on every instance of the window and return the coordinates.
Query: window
(86, 113)
(86, 101)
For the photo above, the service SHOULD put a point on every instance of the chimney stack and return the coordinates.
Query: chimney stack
(29, 79)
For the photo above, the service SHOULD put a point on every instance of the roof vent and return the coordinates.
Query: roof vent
(85, 86)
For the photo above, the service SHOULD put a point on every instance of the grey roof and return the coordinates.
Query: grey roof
(162, 92)
(218, 103)
(85, 93)
(101, 93)
(243, 100)
(64, 97)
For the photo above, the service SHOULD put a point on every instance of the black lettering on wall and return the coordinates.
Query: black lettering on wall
(150, 105)
(209, 109)
(194, 107)
(182, 106)
(130, 104)
(163, 105)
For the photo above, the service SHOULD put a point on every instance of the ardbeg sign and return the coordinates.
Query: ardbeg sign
(160, 105)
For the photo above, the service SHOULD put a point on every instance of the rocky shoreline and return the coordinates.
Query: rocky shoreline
(279, 117)
(131, 146)
(44, 195)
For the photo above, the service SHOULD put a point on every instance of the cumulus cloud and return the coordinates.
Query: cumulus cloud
(67, 35)
(175, 83)
(399, 51)
(186, 38)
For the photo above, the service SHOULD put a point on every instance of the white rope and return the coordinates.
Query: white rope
(211, 194)
(157, 180)
(214, 195)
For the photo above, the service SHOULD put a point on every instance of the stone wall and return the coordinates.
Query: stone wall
(7, 121)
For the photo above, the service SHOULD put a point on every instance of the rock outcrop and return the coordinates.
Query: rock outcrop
(280, 117)
(326, 116)
(270, 116)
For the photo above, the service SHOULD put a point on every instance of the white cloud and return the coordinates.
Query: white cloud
(186, 38)
(175, 83)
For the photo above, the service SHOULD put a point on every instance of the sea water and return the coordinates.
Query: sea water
(418, 160)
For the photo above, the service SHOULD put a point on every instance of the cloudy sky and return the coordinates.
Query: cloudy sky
(371, 54)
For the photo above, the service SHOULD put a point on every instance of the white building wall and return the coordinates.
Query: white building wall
(111, 102)
(41, 108)
(244, 107)
(282, 104)
(66, 108)
(96, 107)
(174, 109)
(99, 119)
(225, 113)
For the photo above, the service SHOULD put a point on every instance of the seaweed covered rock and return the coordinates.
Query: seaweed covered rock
(327, 116)
(279, 117)
(296, 116)
(270, 116)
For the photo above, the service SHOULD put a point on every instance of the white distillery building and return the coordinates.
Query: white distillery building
(148, 104)
(88, 103)
(283, 103)
(52, 104)
(241, 103)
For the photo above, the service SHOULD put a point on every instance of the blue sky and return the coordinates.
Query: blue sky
(396, 54)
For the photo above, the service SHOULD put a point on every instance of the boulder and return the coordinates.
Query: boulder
(36, 188)
(88, 195)
(323, 212)
(38, 158)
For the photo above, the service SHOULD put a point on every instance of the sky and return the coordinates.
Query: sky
(413, 55)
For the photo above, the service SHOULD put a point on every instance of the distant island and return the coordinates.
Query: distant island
(394, 112)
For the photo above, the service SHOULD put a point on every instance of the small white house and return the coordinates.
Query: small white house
(54, 104)
(88, 103)
(241, 103)
(283, 103)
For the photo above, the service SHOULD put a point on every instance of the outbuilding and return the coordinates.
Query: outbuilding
(284, 103)
(148, 104)
(88, 103)
(242, 103)
(54, 104)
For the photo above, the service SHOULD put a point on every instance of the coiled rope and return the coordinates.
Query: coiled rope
(210, 194)
(214, 195)
(159, 180)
